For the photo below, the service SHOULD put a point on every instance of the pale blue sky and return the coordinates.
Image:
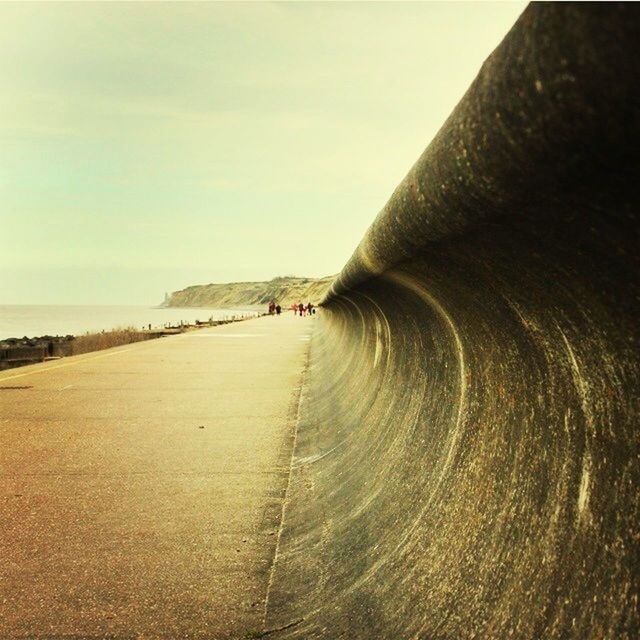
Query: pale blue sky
(145, 147)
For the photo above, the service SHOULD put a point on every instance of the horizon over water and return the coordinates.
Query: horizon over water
(19, 320)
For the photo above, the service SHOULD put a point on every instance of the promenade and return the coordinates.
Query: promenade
(142, 487)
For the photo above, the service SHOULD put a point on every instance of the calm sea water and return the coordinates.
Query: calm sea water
(17, 321)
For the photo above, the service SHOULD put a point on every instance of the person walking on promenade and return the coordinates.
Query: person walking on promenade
(278, 309)
(301, 309)
(294, 306)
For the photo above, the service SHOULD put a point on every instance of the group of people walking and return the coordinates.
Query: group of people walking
(274, 308)
(308, 309)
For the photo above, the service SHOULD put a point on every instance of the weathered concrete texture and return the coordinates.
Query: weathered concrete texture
(468, 459)
(141, 487)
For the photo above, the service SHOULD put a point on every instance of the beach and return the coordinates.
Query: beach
(17, 321)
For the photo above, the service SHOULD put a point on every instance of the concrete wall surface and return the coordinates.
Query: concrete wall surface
(467, 461)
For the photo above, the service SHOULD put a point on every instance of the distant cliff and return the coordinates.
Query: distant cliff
(283, 290)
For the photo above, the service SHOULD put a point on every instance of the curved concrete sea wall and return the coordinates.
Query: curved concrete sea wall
(467, 458)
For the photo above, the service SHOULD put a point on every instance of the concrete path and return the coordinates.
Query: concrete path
(141, 488)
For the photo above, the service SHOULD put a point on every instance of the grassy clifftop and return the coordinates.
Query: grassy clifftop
(285, 291)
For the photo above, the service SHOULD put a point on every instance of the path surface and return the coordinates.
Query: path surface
(141, 487)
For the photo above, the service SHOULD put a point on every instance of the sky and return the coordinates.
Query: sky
(145, 147)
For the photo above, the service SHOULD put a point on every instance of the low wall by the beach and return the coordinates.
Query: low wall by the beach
(467, 460)
(18, 352)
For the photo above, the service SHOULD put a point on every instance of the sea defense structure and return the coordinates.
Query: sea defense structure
(466, 463)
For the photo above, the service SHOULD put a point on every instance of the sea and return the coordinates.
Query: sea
(18, 321)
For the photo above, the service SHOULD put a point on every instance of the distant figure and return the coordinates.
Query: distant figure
(272, 307)
(294, 306)
(309, 308)
(278, 309)
(301, 309)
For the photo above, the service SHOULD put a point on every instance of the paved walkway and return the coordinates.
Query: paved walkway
(141, 487)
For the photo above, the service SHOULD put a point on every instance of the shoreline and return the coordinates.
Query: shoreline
(29, 321)
(19, 352)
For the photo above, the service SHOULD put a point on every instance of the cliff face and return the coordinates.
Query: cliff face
(285, 291)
